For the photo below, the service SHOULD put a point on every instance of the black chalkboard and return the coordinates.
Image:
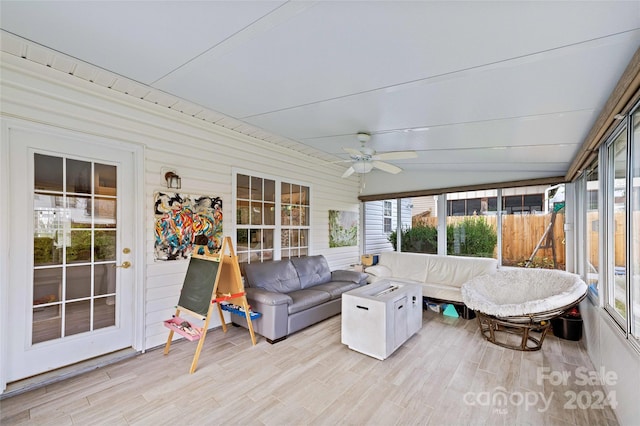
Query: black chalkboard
(197, 290)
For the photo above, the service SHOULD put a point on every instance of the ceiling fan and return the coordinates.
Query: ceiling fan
(366, 159)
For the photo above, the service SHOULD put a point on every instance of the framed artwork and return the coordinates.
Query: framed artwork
(343, 228)
(182, 221)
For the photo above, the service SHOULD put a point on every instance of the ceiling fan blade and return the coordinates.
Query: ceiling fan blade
(352, 151)
(348, 172)
(395, 155)
(386, 167)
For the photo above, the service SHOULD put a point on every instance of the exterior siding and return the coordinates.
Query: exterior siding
(376, 240)
(202, 153)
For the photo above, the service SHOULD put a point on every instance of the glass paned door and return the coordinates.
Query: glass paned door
(74, 256)
(72, 277)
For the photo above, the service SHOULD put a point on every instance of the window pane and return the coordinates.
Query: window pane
(256, 188)
(105, 214)
(78, 282)
(106, 179)
(269, 214)
(47, 286)
(48, 172)
(304, 216)
(256, 213)
(242, 237)
(304, 195)
(468, 234)
(242, 186)
(104, 312)
(80, 248)
(285, 220)
(284, 237)
(78, 316)
(256, 239)
(635, 227)
(267, 238)
(592, 239)
(269, 190)
(79, 212)
(285, 192)
(242, 212)
(104, 279)
(304, 238)
(618, 262)
(532, 236)
(104, 245)
(79, 176)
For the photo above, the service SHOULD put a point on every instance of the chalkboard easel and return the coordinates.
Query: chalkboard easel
(210, 279)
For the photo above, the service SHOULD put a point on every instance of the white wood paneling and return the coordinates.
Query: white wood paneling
(202, 153)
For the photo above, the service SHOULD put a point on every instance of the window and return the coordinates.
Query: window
(387, 217)
(635, 228)
(471, 228)
(295, 220)
(616, 300)
(260, 233)
(592, 229)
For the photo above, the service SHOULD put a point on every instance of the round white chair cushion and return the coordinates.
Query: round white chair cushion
(522, 291)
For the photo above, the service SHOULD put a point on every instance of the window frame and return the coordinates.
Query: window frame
(277, 227)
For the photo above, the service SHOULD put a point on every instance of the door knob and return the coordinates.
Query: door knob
(126, 264)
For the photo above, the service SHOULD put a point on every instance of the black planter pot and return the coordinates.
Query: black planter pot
(567, 328)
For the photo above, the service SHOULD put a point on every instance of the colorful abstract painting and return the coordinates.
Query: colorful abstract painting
(183, 220)
(343, 228)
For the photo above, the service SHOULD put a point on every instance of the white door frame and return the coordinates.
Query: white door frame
(138, 249)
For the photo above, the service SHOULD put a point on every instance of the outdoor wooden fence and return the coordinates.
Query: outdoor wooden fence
(520, 235)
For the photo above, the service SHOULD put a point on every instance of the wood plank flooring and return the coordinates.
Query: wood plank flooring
(447, 374)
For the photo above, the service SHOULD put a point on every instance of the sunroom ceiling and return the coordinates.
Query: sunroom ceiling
(483, 91)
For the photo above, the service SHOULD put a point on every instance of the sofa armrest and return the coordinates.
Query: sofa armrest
(267, 297)
(349, 276)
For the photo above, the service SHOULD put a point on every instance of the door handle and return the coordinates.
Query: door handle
(126, 264)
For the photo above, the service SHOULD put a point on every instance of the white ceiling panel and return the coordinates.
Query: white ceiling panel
(350, 47)
(142, 40)
(483, 91)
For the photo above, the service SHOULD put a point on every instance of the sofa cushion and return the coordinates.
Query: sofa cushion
(379, 271)
(279, 276)
(349, 276)
(456, 270)
(312, 270)
(336, 288)
(411, 266)
(305, 299)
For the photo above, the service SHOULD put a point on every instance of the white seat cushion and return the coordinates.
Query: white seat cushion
(522, 291)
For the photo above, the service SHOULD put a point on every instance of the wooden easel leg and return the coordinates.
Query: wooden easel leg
(245, 305)
(196, 356)
(224, 326)
(170, 338)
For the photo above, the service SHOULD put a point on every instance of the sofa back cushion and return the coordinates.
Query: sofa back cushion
(312, 270)
(456, 270)
(279, 276)
(409, 266)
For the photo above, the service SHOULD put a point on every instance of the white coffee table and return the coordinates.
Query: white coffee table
(378, 318)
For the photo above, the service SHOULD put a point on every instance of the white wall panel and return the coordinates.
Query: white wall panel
(202, 153)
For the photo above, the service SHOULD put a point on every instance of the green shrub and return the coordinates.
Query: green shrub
(471, 237)
(419, 239)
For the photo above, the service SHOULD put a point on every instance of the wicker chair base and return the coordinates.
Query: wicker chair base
(498, 331)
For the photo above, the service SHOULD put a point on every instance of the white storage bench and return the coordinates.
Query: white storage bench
(378, 318)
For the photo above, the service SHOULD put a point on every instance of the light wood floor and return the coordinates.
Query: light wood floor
(444, 375)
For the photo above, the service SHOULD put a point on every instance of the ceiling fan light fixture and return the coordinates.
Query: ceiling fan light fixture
(362, 167)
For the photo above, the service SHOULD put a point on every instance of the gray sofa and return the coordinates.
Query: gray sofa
(295, 293)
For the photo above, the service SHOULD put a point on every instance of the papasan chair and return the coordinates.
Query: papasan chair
(518, 301)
